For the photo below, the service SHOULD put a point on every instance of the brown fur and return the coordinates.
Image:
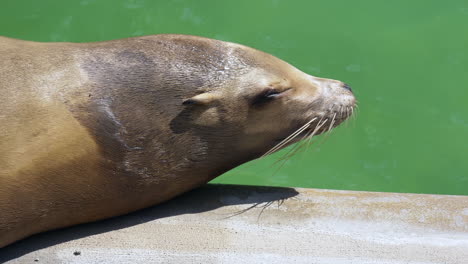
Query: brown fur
(94, 130)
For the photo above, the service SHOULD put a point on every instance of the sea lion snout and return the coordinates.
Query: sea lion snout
(332, 91)
(329, 101)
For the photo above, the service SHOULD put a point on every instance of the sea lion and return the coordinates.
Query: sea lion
(94, 130)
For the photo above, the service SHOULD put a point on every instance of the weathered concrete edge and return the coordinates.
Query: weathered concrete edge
(234, 224)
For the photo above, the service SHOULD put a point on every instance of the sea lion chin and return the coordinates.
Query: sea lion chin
(95, 130)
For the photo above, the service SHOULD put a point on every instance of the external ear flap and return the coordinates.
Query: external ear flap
(202, 99)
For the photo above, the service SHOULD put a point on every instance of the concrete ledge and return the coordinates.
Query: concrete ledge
(244, 224)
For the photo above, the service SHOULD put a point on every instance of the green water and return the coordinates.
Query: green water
(407, 62)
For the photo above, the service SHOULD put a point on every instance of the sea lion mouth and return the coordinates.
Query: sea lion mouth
(326, 123)
(315, 126)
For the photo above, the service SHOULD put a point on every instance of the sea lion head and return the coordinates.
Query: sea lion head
(195, 102)
(267, 102)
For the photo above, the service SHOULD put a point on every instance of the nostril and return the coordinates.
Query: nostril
(347, 87)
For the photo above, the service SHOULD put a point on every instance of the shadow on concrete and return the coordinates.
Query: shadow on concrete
(206, 198)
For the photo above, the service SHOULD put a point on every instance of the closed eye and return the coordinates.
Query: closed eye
(267, 96)
(271, 93)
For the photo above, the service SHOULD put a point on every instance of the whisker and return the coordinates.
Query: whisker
(356, 110)
(340, 113)
(309, 137)
(329, 131)
(298, 145)
(284, 159)
(289, 138)
(347, 117)
(343, 113)
(353, 117)
(293, 150)
(332, 122)
(290, 153)
(286, 140)
(326, 134)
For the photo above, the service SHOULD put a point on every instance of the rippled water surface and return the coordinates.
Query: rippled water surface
(407, 62)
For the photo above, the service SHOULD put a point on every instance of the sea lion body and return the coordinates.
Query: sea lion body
(94, 130)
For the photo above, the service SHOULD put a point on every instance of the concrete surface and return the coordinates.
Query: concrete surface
(241, 224)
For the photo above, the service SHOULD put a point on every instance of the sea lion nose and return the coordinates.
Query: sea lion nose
(347, 87)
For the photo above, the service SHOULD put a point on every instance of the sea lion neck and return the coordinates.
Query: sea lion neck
(131, 103)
